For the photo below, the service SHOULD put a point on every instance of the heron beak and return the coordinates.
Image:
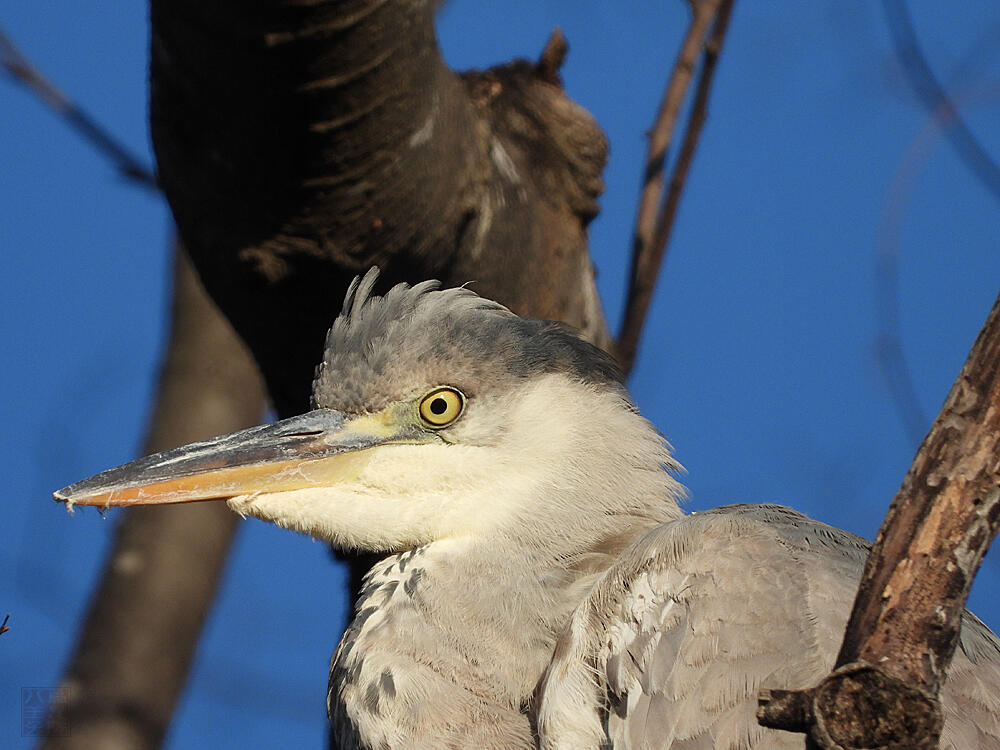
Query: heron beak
(318, 448)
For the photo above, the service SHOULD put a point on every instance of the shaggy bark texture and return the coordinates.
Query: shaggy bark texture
(300, 143)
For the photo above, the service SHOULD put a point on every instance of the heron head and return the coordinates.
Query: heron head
(434, 411)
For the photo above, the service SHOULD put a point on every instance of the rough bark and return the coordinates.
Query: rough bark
(299, 143)
(160, 578)
(904, 627)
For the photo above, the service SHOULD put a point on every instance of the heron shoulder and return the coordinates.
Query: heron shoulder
(673, 644)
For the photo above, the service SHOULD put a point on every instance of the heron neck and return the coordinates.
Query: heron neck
(461, 627)
(467, 624)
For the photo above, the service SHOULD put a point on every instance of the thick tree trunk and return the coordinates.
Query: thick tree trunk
(159, 582)
(301, 143)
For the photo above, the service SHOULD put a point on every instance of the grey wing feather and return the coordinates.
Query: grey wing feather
(673, 644)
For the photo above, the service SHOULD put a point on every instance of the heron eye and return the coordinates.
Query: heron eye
(441, 407)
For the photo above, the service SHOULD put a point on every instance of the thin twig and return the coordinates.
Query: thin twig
(666, 119)
(936, 99)
(889, 340)
(944, 117)
(21, 69)
(655, 217)
(3, 625)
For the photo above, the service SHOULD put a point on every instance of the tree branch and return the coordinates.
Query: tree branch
(930, 91)
(656, 217)
(907, 615)
(160, 578)
(21, 69)
(159, 583)
(301, 143)
(943, 116)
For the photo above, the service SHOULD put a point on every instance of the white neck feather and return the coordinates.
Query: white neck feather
(497, 537)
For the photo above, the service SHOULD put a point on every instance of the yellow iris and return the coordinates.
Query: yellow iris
(441, 407)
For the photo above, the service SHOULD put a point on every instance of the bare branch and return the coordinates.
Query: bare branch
(907, 615)
(655, 218)
(21, 69)
(3, 625)
(972, 153)
(938, 528)
(889, 339)
(159, 581)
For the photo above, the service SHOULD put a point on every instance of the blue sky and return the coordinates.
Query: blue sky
(760, 360)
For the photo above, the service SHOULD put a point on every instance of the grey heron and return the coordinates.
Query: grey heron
(540, 585)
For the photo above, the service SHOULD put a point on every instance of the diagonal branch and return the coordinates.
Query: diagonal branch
(655, 218)
(159, 581)
(132, 658)
(907, 615)
(21, 69)
(944, 118)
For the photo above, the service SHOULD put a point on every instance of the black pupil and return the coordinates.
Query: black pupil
(439, 406)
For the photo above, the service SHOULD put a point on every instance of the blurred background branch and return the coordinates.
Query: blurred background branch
(945, 121)
(24, 72)
(937, 101)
